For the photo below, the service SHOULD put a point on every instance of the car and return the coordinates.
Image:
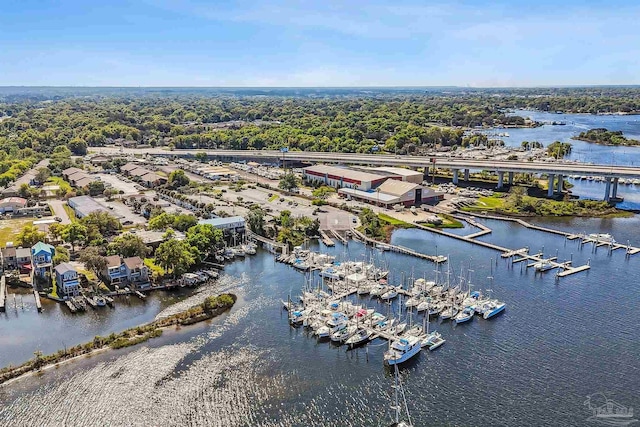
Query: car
(127, 222)
(354, 220)
(58, 219)
(110, 207)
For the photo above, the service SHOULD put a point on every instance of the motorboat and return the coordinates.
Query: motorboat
(402, 350)
(239, 251)
(360, 337)
(400, 328)
(494, 307)
(384, 325)
(375, 319)
(433, 341)
(465, 315)
(543, 265)
(330, 273)
(100, 302)
(344, 334)
(413, 301)
(415, 331)
(602, 237)
(327, 331)
(448, 313)
(250, 248)
(391, 293)
(378, 290)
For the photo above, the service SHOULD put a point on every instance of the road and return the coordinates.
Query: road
(560, 167)
(57, 206)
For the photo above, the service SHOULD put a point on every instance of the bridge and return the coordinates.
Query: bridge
(558, 169)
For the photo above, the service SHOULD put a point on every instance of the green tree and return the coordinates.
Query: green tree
(61, 255)
(255, 219)
(30, 235)
(96, 187)
(205, 237)
(42, 175)
(128, 245)
(323, 192)
(178, 178)
(289, 182)
(201, 156)
(74, 233)
(104, 223)
(174, 256)
(55, 230)
(93, 259)
(161, 222)
(78, 146)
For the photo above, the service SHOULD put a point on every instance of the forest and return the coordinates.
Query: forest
(342, 120)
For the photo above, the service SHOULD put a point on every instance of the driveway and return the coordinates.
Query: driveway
(57, 206)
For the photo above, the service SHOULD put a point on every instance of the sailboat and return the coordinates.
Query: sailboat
(432, 340)
(397, 386)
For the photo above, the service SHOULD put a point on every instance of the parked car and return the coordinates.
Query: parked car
(127, 222)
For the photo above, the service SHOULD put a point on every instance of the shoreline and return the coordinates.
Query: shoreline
(154, 329)
(590, 141)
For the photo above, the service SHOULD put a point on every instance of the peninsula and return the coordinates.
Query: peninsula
(606, 137)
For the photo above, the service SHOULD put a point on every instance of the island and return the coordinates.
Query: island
(606, 137)
(211, 307)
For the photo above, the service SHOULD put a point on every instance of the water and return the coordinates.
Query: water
(585, 151)
(533, 365)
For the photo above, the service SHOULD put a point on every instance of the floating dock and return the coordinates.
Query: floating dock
(400, 249)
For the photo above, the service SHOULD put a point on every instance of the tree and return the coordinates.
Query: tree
(55, 230)
(289, 182)
(201, 156)
(78, 146)
(93, 259)
(105, 224)
(24, 191)
(42, 175)
(74, 233)
(175, 256)
(61, 255)
(30, 235)
(178, 178)
(128, 245)
(255, 219)
(205, 237)
(96, 187)
(323, 192)
(161, 222)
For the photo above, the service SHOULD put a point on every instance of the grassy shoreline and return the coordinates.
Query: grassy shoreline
(208, 309)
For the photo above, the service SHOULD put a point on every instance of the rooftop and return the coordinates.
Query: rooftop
(222, 221)
(344, 172)
(64, 268)
(85, 204)
(113, 261)
(13, 201)
(133, 262)
(397, 171)
(397, 188)
(42, 247)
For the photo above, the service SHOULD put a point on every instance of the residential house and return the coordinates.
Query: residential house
(70, 171)
(23, 259)
(12, 204)
(99, 160)
(9, 257)
(139, 172)
(125, 169)
(114, 273)
(137, 272)
(152, 179)
(42, 258)
(67, 281)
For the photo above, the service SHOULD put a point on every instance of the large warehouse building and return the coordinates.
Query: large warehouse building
(393, 192)
(342, 177)
(84, 205)
(407, 175)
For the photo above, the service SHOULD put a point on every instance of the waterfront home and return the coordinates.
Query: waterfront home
(67, 281)
(128, 271)
(9, 261)
(137, 272)
(42, 258)
(114, 273)
(23, 259)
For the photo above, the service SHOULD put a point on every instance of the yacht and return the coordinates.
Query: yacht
(377, 290)
(602, 237)
(100, 302)
(448, 313)
(433, 341)
(360, 337)
(391, 293)
(343, 334)
(465, 315)
(400, 327)
(543, 265)
(250, 248)
(494, 307)
(413, 301)
(402, 350)
(415, 331)
(239, 252)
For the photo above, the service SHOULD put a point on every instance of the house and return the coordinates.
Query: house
(153, 180)
(125, 169)
(137, 272)
(12, 204)
(99, 160)
(67, 282)
(9, 257)
(42, 258)
(23, 259)
(139, 172)
(230, 226)
(70, 171)
(114, 273)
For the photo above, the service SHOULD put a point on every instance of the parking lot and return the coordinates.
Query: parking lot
(128, 188)
(122, 212)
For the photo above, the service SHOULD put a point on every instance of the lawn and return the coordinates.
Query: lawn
(56, 180)
(490, 203)
(395, 222)
(10, 228)
(70, 212)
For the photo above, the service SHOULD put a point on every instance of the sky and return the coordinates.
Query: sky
(476, 43)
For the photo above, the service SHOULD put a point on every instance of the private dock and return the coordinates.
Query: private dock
(140, 295)
(92, 302)
(3, 293)
(339, 237)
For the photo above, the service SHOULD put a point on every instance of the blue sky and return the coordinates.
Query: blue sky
(319, 43)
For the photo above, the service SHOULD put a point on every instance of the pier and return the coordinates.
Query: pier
(400, 249)
(326, 239)
(3, 293)
(272, 243)
(338, 236)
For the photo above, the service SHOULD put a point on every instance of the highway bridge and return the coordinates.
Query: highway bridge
(559, 169)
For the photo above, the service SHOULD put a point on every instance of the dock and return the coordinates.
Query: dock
(326, 239)
(3, 293)
(90, 301)
(400, 249)
(140, 295)
(71, 306)
(36, 295)
(338, 236)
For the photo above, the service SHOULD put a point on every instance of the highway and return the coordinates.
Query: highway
(561, 168)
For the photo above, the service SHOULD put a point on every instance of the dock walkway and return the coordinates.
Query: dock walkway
(283, 247)
(400, 249)
(326, 239)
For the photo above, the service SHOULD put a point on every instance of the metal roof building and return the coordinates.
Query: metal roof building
(342, 177)
(84, 205)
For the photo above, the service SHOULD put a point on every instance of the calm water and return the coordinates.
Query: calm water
(584, 151)
(534, 365)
